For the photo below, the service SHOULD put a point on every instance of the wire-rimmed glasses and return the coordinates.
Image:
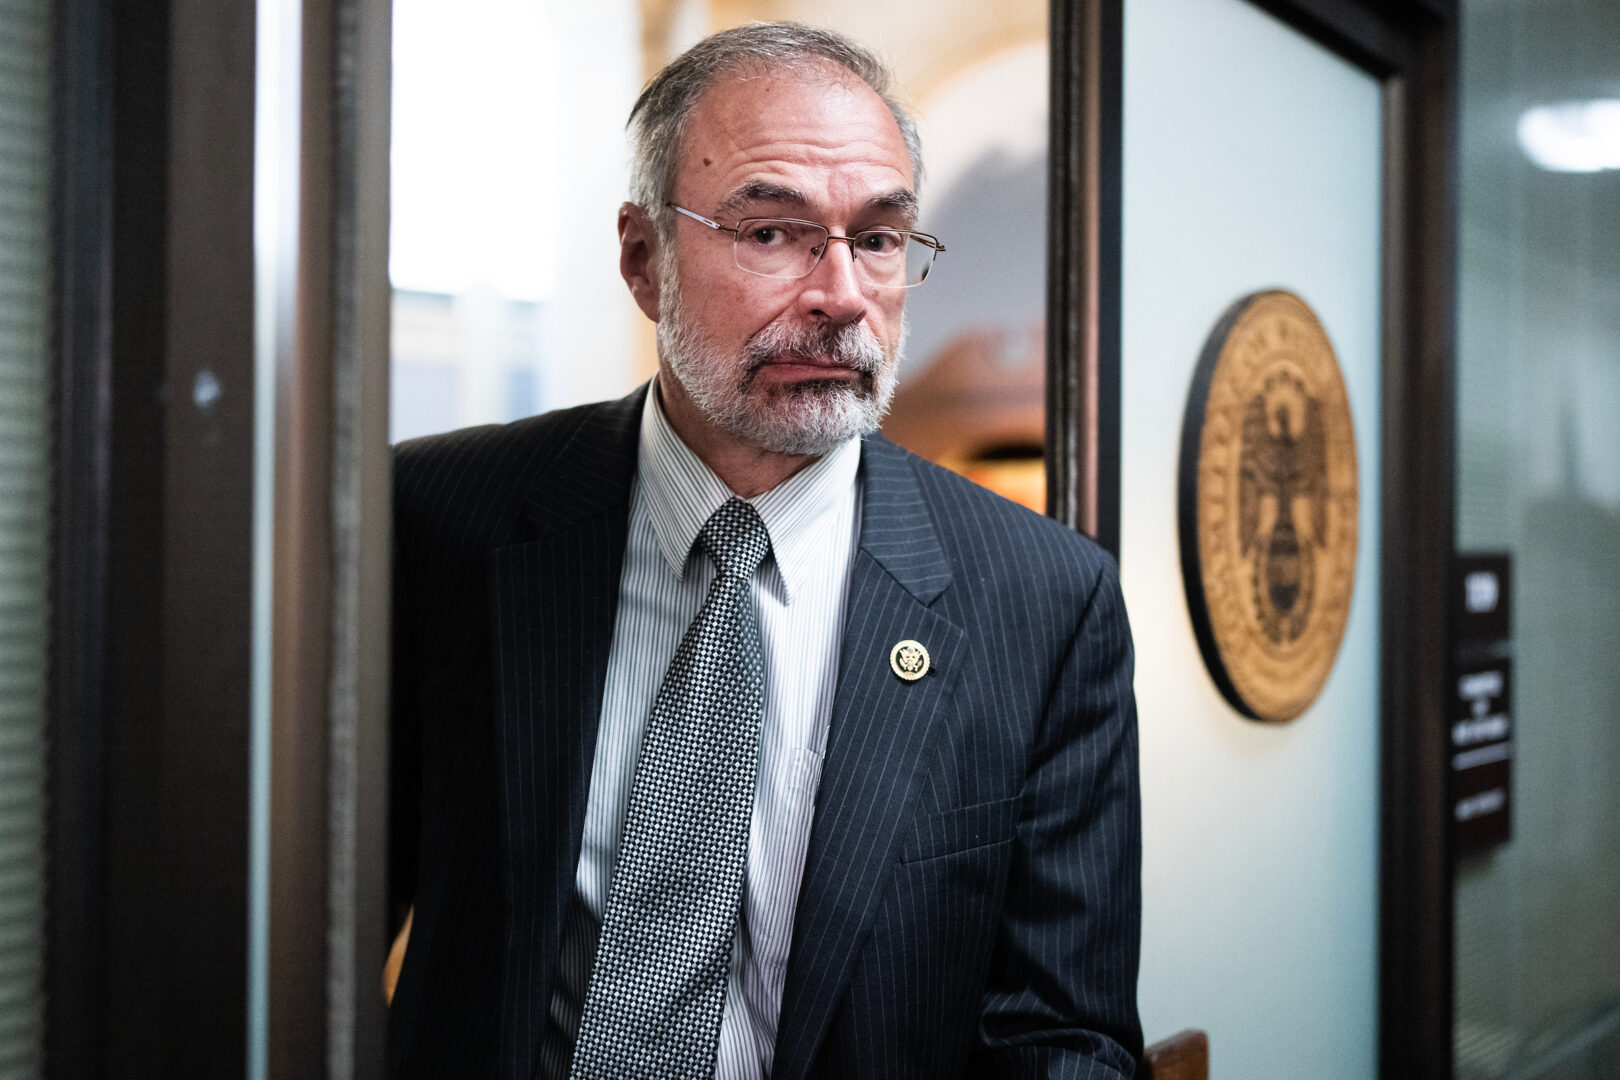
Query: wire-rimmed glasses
(791, 248)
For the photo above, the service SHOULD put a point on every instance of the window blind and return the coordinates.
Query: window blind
(25, 255)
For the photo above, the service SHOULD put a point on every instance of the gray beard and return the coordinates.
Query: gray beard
(807, 418)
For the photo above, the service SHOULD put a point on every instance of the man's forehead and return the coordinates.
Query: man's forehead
(791, 135)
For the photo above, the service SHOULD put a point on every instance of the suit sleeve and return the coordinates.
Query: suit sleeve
(1061, 995)
(404, 752)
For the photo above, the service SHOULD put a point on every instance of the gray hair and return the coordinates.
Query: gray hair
(658, 121)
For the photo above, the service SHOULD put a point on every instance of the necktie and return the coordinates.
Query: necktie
(657, 989)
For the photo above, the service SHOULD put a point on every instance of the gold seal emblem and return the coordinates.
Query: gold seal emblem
(1268, 505)
(909, 660)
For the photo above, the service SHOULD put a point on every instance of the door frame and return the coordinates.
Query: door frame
(208, 829)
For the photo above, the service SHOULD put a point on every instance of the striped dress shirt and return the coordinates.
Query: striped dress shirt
(800, 593)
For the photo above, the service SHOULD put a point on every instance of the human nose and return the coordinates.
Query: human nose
(833, 288)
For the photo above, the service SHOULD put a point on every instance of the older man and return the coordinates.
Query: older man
(732, 740)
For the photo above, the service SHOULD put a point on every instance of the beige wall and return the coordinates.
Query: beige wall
(926, 43)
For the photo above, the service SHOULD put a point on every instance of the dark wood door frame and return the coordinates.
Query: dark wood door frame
(1082, 270)
(1411, 48)
(151, 772)
(151, 584)
(75, 972)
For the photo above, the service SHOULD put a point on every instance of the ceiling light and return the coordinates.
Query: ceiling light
(1573, 136)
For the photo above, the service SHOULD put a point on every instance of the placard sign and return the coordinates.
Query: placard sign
(1481, 730)
(1482, 594)
(1479, 717)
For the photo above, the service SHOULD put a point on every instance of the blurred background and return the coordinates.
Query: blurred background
(507, 299)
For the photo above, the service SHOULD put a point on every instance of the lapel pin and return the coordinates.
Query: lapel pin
(909, 660)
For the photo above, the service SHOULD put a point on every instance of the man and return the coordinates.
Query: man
(732, 740)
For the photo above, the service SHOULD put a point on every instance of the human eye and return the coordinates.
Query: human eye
(881, 241)
(770, 233)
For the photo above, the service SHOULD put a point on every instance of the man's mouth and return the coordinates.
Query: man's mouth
(806, 357)
(794, 370)
(808, 360)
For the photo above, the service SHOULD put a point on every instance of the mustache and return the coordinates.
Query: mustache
(849, 345)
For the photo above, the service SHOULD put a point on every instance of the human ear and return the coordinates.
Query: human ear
(638, 257)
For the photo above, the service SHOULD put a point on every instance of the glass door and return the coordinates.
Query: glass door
(1252, 161)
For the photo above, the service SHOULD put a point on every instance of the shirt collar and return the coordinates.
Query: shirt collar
(682, 492)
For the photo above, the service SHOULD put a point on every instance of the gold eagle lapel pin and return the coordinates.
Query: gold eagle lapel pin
(909, 660)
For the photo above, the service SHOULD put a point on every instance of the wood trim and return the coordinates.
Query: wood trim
(1083, 265)
(362, 540)
(1371, 39)
(1182, 1056)
(301, 578)
(328, 806)
(177, 636)
(191, 881)
(1417, 894)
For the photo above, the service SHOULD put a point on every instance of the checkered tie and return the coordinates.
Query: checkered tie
(658, 986)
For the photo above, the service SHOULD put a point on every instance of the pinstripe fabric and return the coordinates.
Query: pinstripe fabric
(799, 598)
(971, 892)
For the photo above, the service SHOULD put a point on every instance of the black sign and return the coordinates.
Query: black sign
(1480, 723)
(1481, 599)
(1479, 713)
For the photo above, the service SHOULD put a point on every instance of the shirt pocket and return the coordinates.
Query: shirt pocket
(961, 828)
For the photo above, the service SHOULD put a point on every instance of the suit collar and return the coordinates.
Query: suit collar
(896, 528)
(592, 470)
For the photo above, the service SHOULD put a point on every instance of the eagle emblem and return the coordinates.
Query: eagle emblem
(1269, 505)
(1282, 502)
(909, 660)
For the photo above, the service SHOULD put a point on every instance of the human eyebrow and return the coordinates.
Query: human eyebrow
(758, 191)
(903, 200)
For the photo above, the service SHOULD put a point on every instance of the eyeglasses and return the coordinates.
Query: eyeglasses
(790, 248)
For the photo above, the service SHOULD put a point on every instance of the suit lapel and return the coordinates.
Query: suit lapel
(879, 730)
(553, 603)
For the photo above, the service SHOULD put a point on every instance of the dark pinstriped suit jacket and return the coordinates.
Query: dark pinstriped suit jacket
(971, 897)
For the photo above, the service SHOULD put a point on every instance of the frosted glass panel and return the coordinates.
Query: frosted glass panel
(1252, 160)
(25, 275)
(1538, 390)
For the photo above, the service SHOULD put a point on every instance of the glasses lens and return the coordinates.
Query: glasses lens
(892, 259)
(778, 248)
(919, 261)
(782, 247)
(880, 257)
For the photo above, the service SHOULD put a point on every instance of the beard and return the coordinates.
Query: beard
(809, 417)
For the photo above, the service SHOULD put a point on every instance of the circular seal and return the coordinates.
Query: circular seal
(1268, 505)
(909, 660)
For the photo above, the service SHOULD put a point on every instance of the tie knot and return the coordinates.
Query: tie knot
(736, 539)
